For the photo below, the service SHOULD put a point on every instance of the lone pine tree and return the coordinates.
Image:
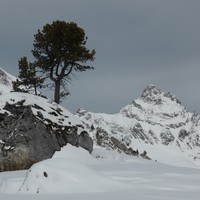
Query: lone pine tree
(59, 51)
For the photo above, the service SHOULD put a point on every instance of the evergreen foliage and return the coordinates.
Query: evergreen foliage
(60, 50)
(28, 79)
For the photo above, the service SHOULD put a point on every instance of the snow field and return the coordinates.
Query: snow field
(74, 174)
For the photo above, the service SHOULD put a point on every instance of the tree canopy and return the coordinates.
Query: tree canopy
(28, 80)
(59, 51)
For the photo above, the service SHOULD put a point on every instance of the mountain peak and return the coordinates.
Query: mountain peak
(151, 94)
(155, 123)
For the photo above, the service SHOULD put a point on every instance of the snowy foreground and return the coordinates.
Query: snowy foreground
(74, 174)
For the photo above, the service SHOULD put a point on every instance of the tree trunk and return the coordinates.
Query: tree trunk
(57, 92)
(35, 87)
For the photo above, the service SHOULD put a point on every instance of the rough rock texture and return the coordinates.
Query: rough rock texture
(25, 139)
(85, 141)
(102, 138)
(156, 121)
(33, 128)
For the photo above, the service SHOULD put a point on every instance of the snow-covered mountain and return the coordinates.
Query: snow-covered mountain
(156, 122)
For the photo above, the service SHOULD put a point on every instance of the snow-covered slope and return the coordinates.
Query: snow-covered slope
(74, 174)
(32, 128)
(5, 81)
(49, 110)
(40, 106)
(156, 122)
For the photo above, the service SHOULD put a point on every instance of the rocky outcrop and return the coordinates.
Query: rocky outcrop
(167, 137)
(27, 138)
(85, 141)
(103, 139)
(155, 122)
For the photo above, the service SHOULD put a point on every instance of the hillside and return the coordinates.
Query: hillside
(32, 128)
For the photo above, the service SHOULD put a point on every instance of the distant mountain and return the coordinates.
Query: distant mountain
(156, 125)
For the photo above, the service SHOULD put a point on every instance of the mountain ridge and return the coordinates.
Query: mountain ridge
(155, 122)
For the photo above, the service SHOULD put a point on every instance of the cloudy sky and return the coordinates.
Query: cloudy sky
(137, 42)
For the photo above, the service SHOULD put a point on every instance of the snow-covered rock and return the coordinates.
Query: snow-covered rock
(156, 122)
(32, 128)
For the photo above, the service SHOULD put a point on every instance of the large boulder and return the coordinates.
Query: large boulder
(85, 141)
(27, 137)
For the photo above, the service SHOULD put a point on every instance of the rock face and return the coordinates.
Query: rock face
(156, 123)
(30, 133)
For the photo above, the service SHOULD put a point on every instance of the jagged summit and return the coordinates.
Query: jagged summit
(154, 95)
(150, 93)
(156, 123)
(155, 106)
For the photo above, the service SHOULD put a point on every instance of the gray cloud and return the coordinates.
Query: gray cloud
(137, 43)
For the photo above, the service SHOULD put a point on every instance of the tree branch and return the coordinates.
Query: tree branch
(52, 73)
(70, 70)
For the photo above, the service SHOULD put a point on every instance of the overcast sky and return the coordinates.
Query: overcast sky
(137, 42)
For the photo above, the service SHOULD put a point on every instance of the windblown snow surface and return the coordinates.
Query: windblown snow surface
(74, 174)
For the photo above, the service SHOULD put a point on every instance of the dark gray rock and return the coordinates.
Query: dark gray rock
(153, 95)
(85, 141)
(183, 134)
(144, 155)
(121, 146)
(25, 139)
(167, 137)
(139, 133)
